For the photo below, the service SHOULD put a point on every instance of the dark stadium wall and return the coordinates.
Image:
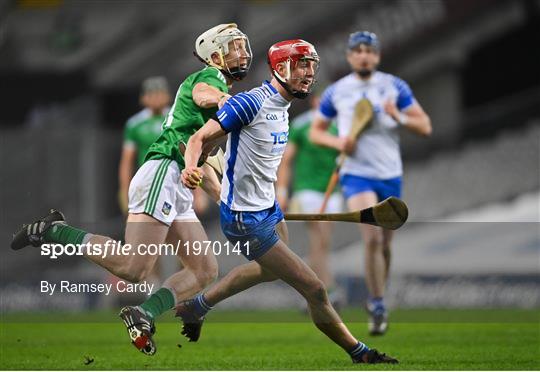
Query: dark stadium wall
(25, 89)
(502, 66)
(118, 105)
(501, 83)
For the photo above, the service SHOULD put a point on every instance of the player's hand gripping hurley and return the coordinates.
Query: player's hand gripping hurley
(363, 113)
(390, 214)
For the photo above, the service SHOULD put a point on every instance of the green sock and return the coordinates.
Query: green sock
(159, 302)
(64, 234)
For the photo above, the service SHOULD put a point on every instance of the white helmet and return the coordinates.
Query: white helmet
(216, 40)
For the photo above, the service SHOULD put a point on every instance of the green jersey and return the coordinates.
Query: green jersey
(313, 164)
(185, 117)
(142, 130)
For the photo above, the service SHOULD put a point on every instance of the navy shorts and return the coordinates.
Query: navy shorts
(255, 232)
(352, 185)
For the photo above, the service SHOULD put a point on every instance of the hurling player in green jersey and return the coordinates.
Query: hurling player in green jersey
(160, 206)
(141, 131)
(310, 166)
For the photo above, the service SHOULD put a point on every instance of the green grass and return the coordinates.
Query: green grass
(421, 339)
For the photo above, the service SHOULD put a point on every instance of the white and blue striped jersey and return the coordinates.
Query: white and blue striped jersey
(377, 152)
(258, 125)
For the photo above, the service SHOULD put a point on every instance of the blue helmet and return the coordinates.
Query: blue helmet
(363, 37)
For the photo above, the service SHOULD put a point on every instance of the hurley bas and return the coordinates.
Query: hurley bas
(122, 286)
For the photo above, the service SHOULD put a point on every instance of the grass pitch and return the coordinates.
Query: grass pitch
(420, 339)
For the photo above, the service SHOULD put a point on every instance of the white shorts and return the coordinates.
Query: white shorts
(309, 201)
(157, 191)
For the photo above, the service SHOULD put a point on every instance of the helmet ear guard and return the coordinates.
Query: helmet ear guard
(220, 66)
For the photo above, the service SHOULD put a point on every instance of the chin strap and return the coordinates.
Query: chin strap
(236, 73)
(295, 93)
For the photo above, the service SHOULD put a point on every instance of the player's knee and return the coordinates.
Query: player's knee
(316, 292)
(267, 276)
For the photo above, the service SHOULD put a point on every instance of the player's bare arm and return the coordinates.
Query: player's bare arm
(192, 174)
(414, 118)
(211, 184)
(319, 135)
(206, 96)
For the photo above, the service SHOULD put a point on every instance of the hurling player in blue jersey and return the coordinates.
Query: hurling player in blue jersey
(373, 169)
(257, 127)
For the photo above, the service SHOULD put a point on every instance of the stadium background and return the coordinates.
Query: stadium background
(70, 73)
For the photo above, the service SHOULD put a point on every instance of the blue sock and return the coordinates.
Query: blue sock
(201, 306)
(377, 303)
(358, 351)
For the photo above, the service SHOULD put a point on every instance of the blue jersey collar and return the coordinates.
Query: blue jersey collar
(270, 86)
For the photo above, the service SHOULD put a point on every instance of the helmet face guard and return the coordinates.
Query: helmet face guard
(218, 40)
(239, 71)
(288, 79)
(292, 54)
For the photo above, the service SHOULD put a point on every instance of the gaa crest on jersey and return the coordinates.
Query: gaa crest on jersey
(166, 208)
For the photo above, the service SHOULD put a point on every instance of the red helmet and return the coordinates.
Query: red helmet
(290, 51)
